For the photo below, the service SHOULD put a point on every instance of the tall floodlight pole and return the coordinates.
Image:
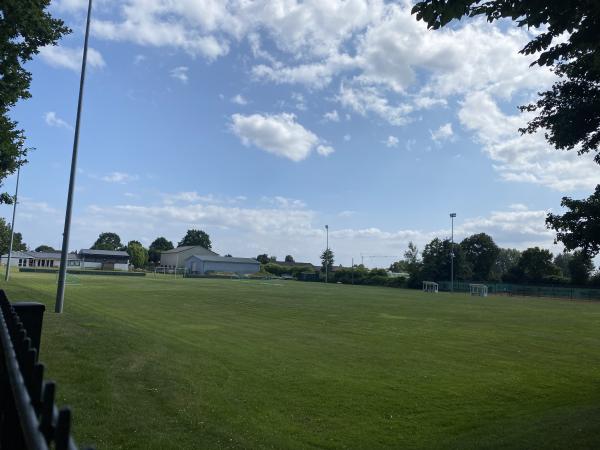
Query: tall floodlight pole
(62, 274)
(327, 254)
(12, 226)
(452, 216)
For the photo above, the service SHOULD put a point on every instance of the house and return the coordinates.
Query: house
(201, 264)
(104, 259)
(177, 257)
(39, 259)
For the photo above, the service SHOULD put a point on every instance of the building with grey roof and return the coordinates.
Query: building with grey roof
(177, 257)
(85, 259)
(203, 264)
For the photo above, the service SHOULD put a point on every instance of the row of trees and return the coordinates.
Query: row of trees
(478, 258)
(140, 256)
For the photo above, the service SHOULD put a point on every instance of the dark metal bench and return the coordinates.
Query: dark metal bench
(29, 418)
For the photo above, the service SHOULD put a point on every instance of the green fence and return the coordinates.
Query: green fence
(576, 293)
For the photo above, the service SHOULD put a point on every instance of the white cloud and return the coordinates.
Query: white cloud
(278, 134)
(524, 158)
(53, 120)
(119, 177)
(443, 133)
(331, 116)
(365, 100)
(325, 150)
(239, 100)
(70, 58)
(180, 73)
(347, 138)
(391, 141)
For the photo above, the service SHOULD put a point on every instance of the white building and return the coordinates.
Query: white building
(203, 264)
(85, 259)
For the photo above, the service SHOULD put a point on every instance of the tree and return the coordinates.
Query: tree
(289, 259)
(25, 27)
(480, 252)
(579, 227)
(196, 237)
(566, 39)
(536, 264)
(327, 259)
(562, 261)
(18, 244)
(108, 241)
(263, 259)
(507, 259)
(138, 255)
(160, 244)
(436, 261)
(580, 268)
(44, 248)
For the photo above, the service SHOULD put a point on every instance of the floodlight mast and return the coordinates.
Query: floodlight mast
(12, 227)
(327, 254)
(452, 216)
(62, 274)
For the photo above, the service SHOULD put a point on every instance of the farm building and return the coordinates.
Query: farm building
(85, 259)
(177, 257)
(201, 264)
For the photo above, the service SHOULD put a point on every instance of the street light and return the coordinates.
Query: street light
(452, 216)
(327, 254)
(62, 273)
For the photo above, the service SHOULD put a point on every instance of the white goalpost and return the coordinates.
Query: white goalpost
(430, 286)
(480, 290)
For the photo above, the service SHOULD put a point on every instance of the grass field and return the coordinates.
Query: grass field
(189, 363)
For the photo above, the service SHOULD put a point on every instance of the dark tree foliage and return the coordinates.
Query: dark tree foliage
(480, 252)
(535, 265)
(44, 248)
(562, 261)
(327, 259)
(570, 111)
(108, 241)
(289, 258)
(138, 255)
(579, 227)
(507, 259)
(196, 237)
(18, 244)
(437, 261)
(25, 27)
(159, 245)
(580, 268)
(263, 259)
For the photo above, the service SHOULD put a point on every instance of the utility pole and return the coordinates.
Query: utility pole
(327, 255)
(452, 216)
(352, 270)
(62, 274)
(12, 226)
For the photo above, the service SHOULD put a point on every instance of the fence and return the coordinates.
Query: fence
(575, 293)
(29, 418)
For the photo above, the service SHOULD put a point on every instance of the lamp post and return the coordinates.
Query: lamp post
(452, 216)
(62, 274)
(327, 254)
(12, 226)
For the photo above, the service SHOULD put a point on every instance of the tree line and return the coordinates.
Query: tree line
(478, 258)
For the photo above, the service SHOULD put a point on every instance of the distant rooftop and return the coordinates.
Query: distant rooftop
(103, 252)
(184, 248)
(217, 258)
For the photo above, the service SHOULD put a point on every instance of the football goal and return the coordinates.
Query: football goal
(430, 286)
(480, 290)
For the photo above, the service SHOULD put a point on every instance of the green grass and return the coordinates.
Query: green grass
(192, 363)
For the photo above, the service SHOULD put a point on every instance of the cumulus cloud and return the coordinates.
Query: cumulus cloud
(332, 116)
(391, 141)
(443, 133)
(53, 120)
(278, 134)
(524, 158)
(70, 58)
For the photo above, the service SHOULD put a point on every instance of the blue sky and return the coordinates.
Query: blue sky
(260, 122)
